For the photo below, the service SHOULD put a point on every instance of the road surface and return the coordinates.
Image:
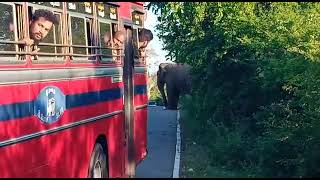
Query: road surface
(162, 126)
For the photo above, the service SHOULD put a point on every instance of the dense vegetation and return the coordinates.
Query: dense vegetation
(154, 93)
(255, 100)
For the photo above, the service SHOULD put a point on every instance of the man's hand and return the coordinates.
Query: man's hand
(35, 51)
(28, 41)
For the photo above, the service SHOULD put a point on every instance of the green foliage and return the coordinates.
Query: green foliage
(154, 91)
(255, 97)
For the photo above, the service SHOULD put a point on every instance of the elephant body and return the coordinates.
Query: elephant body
(177, 79)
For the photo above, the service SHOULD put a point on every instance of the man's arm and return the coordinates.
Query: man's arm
(29, 42)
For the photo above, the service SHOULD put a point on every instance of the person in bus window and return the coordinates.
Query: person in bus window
(117, 41)
(119, 38)
(40, 25)
(144, 36)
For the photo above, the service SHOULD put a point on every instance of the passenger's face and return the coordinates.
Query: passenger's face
(40, 28)
(118, 41)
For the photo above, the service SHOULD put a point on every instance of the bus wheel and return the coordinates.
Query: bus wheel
(98, 163)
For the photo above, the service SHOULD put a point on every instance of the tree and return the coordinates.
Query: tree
(254, 68)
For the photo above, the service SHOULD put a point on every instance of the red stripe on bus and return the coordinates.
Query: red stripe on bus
(140, 79)
(140, 99)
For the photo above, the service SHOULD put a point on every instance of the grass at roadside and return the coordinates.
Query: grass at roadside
(195, 161)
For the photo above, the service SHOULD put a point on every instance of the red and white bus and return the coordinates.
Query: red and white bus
(77, 110)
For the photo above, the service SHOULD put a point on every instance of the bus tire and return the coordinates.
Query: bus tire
(98, 163)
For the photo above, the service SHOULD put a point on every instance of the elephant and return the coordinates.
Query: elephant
(177, 78)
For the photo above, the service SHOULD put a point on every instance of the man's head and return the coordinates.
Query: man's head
(145, 36)
(41, 24)
(119, 38)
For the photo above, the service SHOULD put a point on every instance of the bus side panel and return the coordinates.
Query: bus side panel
(140, 134)
(66, 153)
(57, 154)
(13, 96)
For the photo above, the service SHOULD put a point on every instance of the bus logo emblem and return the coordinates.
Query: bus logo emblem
(50, 104)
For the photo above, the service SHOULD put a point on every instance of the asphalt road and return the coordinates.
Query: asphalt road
(162, 126)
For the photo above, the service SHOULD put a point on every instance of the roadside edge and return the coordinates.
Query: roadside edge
(176, 167)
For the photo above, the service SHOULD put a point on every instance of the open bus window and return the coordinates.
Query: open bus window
(107, 35)
(7, 32)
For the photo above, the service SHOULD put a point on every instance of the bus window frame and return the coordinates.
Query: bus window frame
(56, 11)
(111, 23)
(55, 58)
(101, 39)
(76, 59)
(14, 59)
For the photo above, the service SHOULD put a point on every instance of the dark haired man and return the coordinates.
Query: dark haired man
(145, 36)
(40, 25)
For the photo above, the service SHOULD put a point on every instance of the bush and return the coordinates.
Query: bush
(255, 98)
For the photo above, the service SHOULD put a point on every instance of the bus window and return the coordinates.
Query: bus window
(47, 45)
(107, 16)
(105, 35)
(78, 34)
(7, 31)
(81, 37)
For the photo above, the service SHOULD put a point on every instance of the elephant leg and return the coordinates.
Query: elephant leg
(163, 95)
(173, 97)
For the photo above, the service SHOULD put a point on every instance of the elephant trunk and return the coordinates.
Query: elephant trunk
(161, 89)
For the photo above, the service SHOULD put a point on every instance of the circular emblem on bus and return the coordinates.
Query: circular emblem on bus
(50, 104)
